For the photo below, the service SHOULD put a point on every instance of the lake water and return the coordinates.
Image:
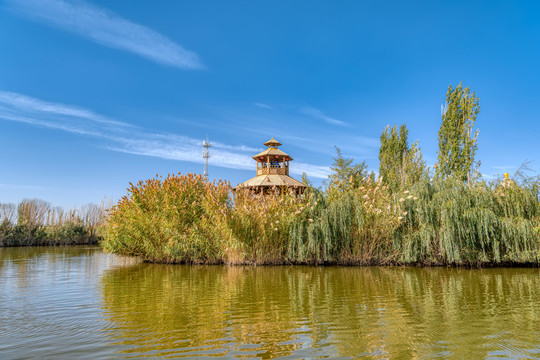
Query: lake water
(80, 303)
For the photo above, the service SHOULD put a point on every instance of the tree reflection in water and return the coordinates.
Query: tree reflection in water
(267, 312)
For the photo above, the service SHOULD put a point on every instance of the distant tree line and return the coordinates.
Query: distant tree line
(35, 222)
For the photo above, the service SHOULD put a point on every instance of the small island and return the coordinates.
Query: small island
(408, 214)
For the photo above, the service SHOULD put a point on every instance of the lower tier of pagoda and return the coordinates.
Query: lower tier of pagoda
(267, 182)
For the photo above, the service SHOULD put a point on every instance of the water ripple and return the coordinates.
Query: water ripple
(64, 303)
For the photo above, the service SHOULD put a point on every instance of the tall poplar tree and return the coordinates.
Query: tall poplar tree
(400, 166)
(457, 140)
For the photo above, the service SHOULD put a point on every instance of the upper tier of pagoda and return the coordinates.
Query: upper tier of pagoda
(272, 160)
(272, 170)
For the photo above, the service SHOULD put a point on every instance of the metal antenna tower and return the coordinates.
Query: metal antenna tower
(206, 154)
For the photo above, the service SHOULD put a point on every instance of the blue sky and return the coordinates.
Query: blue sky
(94, 95)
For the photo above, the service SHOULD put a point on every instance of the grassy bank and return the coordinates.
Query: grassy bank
(35, 223)
(185, 219)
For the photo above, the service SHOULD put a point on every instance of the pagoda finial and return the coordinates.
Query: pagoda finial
(272, 143)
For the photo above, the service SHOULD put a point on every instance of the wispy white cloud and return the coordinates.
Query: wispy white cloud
(316, 113)
(47, 124)
(174, 147)
(264, 106)
(316, 171)
(109, 29)
(242, 148)
(122, 137)
(22, 103)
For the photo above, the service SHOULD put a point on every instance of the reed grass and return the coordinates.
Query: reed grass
(259, 226)
(172, 220)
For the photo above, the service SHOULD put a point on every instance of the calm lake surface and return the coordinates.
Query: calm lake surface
(78, 302)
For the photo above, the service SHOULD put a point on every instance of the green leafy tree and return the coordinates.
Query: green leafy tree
(400, 166)
(345, 172)
(306, 181)
(457, 140)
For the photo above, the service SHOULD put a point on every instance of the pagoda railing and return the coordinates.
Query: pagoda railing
(273, 170)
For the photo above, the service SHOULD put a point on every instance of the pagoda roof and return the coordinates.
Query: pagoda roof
(507, 182)
(271, 152)
(271, 180)
(272, 143)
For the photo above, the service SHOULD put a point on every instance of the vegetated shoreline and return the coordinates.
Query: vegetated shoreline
(35, 222)
(187, 220)
(484, 265)
(49, 242)
(208, 225)
(8, 241)
(487, 265)
(96, 242)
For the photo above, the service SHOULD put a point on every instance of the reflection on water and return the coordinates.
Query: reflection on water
(50, 303)
(84, 303)
(306, 311)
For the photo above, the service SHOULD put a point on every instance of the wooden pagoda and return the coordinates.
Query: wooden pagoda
(272, 171)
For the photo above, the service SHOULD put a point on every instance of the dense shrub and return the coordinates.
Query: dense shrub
(453, 222)
(171, 220)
